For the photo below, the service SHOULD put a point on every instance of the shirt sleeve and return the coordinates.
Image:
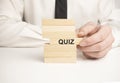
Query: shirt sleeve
(13, 31)
(110, 14)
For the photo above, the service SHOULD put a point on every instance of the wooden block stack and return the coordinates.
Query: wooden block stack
(63, 40)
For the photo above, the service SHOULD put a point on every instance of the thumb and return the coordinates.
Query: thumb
(87, 29)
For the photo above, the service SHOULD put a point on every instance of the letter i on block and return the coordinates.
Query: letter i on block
(63, 41)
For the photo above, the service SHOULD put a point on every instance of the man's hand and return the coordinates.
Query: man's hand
(97, 40)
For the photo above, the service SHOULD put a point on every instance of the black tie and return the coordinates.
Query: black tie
(61, 9)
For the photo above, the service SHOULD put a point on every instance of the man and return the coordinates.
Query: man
(20, 23)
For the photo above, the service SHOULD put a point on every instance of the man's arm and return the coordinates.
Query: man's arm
(13, 31)
(99, 41)
(110, 15)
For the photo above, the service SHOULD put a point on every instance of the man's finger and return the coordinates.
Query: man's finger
(97, 37)
(99, 46)
(86, 29)
(97, 55)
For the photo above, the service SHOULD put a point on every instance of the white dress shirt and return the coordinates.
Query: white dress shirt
(20, 20)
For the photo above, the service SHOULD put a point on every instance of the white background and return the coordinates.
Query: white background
(118, 3)
(25, 65)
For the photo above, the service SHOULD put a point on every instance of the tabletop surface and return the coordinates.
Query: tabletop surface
(26, 65)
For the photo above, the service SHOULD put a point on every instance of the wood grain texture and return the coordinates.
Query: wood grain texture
(60, 60)
(58, 22)
(63, 40)
(59, 51)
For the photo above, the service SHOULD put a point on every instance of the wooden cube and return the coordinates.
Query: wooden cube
(63, 40)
